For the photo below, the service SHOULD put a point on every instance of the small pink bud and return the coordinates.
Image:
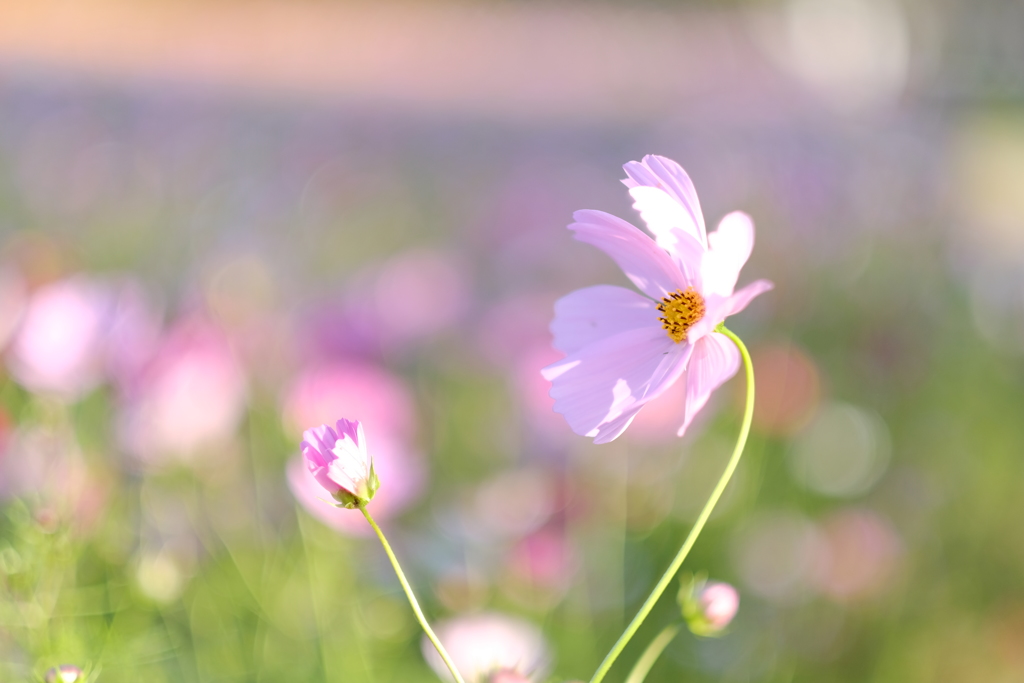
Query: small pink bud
(507, 676)
(708, 607)
(65, 673)
(338, 461)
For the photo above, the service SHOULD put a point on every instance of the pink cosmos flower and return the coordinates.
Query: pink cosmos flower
(339, 461)
(625, 349)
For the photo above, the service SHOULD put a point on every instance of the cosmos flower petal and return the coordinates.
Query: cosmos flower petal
(741, 299)
(340, 462)
(318, 440)
(665, 218)
(730, 247)
(606, 382)
(669, 177)
(593, 313)
(649, 267)
(715, 359)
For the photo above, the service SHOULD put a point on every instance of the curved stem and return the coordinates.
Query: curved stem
(651, 654)
(741, 442)
(412, 598)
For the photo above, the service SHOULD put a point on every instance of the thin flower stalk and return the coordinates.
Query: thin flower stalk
(698, 526)
(412, 598)
(651, 654)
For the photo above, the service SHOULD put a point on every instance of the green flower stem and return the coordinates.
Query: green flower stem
(412, 598)
(651, 654)
(741, 442)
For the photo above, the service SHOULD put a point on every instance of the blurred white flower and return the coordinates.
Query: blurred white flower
(843, 452)
(486, 644)
(58, 348)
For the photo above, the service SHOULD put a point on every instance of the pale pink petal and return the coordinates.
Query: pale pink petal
(593, 313)
(688, 255)
(650, 268)
(668, 176)
(738, 301)
(718, 308)
(730, 247)
(601, 387)
(665, 217)
(715, 359)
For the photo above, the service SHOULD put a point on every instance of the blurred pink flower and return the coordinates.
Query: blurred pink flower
(400, 471)
(191, 397)
(507, 676)
(625, 349)
(860, 555)
(59, 345)
(339, 461)
(46, 465)
(483, 645)
(508, 327)
(380, 400)
(535, 394)
(540, 568)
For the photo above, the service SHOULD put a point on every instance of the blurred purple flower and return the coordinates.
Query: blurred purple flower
(413, 277)
(13, 296)
(625, 349)
(400, 469)
(482, 645)
(339, 462)
(191, 396)
(133, 336)
(389, 307)
(58, 348)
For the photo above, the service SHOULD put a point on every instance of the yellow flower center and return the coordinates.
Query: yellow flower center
(682, 309)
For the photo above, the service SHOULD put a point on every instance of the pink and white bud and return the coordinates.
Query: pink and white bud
(339, 462)
(708, 606)
(65, 673)
(719, 603)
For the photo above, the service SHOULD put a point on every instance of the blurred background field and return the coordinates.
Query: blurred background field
(224, 222)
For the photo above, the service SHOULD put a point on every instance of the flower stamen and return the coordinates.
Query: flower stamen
(682, 310)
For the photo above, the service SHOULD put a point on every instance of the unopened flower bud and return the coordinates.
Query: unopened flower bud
(338, 460)
(708, 606)
(65, 673)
